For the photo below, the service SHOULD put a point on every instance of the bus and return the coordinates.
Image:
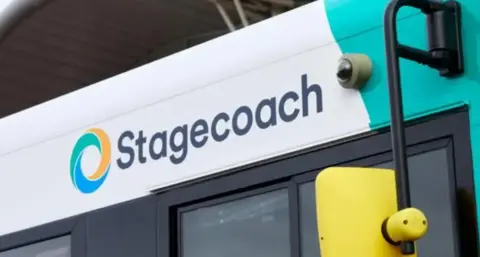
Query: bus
(215, 150)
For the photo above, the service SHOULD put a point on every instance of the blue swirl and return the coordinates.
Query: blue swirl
(81, 182)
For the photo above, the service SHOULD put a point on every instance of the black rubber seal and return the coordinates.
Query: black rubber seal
(385, 234)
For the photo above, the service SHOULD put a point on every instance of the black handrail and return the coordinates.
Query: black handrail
(444, 54)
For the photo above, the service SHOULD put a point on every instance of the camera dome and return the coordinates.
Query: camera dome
(344, 70)
(353, 70)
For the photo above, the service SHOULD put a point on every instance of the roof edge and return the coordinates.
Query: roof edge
(15, 12)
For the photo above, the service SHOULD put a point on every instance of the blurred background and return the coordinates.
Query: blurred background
(64, 45)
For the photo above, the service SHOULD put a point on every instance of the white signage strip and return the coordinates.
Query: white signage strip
(190, 115)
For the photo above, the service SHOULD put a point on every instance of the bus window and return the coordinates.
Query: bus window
(58, 247)
(430, 189)
(255, 226)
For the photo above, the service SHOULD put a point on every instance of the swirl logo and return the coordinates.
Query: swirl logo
(99, 139)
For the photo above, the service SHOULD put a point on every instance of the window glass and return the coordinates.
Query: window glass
(58, 247)
(429, 185)
(430, 191)
(308, 221)
(256, 226)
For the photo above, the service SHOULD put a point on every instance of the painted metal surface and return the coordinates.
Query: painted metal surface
(211, 108)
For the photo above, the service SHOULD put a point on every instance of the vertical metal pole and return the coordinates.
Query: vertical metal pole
(396, 109)
(444, 54)
(396, 115)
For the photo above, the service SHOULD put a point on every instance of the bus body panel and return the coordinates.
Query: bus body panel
(286, 63)
(178, 119)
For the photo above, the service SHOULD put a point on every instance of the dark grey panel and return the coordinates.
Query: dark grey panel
(125, 230)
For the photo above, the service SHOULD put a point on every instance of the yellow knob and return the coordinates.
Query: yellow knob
(406, 225)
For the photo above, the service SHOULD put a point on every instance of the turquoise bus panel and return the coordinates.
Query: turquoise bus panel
(424, 91)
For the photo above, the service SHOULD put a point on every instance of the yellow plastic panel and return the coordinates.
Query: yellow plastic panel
(352, 203)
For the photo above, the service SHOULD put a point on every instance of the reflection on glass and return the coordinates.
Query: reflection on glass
(58, 247)
(430, 191)
(256, 226)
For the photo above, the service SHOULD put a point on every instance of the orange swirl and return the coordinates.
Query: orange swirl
(105, 153)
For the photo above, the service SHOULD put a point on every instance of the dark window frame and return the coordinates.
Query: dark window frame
(449, 129)
(75, 227)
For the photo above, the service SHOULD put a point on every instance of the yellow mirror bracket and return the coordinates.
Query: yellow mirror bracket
(407, 225)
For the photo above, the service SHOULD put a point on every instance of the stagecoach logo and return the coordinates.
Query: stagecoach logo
(175, 143)
(97, 138)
